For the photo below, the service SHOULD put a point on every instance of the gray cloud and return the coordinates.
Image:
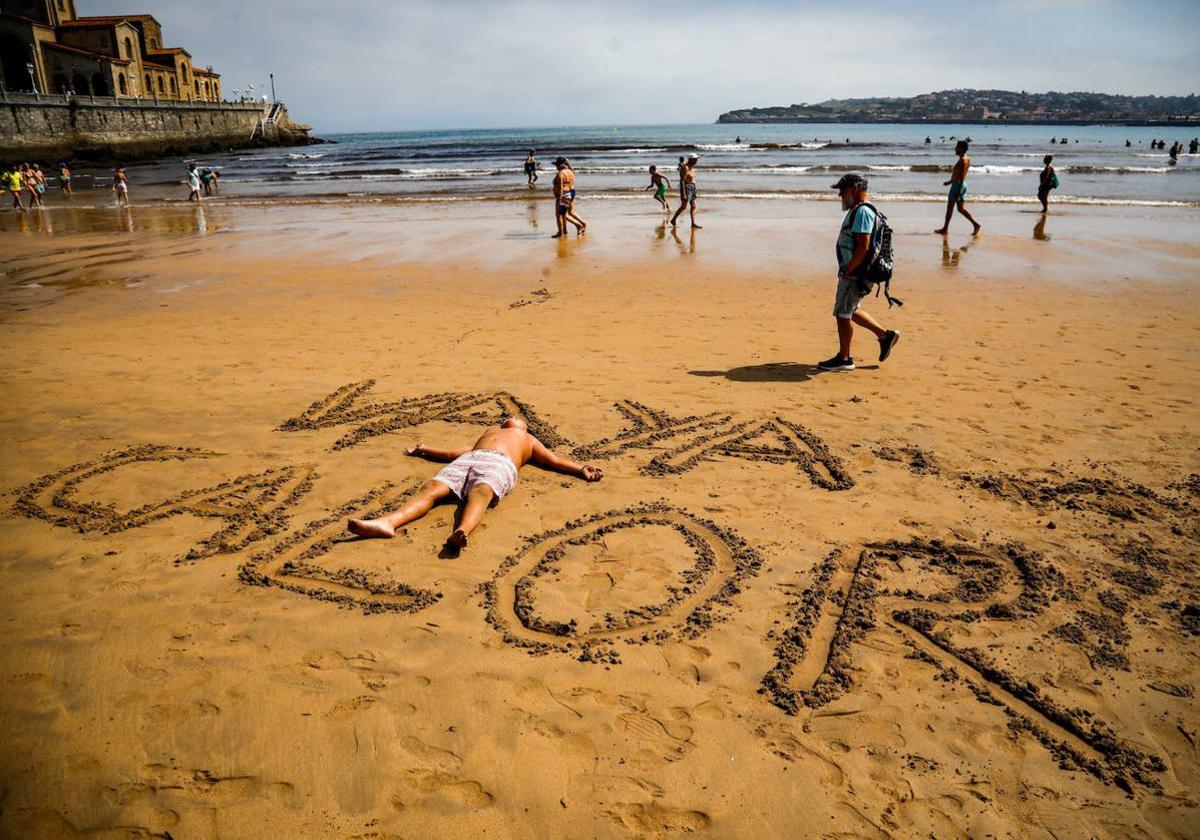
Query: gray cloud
(456, 63)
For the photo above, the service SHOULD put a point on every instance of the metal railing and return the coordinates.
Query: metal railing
(24, 98)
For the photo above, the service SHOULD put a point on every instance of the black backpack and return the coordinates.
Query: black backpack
(876, 270)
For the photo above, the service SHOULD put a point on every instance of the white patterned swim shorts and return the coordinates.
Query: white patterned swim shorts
(486, 466)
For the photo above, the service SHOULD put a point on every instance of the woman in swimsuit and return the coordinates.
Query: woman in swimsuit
(564, 198)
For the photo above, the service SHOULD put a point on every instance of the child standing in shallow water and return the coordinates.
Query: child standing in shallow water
(958, 189)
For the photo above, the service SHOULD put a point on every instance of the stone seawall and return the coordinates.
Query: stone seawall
(70, 127)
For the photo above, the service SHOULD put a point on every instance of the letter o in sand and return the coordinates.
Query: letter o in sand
(597, 582)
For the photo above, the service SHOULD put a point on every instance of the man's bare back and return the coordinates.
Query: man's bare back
(479, 475)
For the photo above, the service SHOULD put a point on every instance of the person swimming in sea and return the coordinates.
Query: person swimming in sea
(958, 189)
(660, 185)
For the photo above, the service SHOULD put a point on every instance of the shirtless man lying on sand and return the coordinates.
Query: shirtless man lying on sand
(480, 475)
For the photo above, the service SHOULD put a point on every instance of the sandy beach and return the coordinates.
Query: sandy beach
(955, 594)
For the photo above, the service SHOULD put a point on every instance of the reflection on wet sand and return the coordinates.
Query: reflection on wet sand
(195, 219)
(1039, 230)
(690, 247)
(952, 256)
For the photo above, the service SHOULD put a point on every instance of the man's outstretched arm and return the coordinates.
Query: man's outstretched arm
(430, 453)
(546, 459)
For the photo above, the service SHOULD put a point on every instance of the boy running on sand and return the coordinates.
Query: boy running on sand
(660, 185)
(958, 189)
(64, 178)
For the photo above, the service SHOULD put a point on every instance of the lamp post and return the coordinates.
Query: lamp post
(273, 99)
(32, 78)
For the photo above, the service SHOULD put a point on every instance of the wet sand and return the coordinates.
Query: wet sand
(953, 594)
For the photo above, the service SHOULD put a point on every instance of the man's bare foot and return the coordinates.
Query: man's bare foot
(942, 231)
(557, 236)
(458, 539)
(697, 227)
(370, 528)
(977, 229)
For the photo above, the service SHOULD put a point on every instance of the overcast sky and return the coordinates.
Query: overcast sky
(417, 64)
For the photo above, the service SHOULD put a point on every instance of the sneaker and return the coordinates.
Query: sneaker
(837, 363)
(887, 343)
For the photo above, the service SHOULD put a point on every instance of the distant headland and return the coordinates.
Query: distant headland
(976, 106)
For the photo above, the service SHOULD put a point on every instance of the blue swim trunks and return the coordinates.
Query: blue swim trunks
(958, 191)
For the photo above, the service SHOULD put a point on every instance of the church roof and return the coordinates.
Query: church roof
(51, 45)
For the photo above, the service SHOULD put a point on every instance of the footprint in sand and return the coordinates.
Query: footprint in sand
(440, 775)
(657, 819)
(654, 736)
(348, 708)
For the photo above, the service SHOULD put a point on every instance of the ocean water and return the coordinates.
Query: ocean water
(743, 161)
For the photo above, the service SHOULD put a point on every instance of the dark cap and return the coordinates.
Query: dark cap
(559, 161)
(851, 179)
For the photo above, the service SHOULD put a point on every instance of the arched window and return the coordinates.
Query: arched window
(80, 83)
(197, 88)
(160, 84)
(121, 84)
(60, 83)
(99, 86)
(128, 48)
(172, 85)
(153, 43)
(62, 6)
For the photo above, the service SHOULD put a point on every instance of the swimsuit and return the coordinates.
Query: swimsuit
(662, 191)
(689, 192)
(483, 466)
(958, 190)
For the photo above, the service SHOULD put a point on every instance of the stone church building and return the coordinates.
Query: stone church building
(47, 47)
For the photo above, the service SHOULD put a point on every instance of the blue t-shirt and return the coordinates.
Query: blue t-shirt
(863, 221)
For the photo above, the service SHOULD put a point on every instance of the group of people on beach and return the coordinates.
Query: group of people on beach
(29, 178)
(481, 474)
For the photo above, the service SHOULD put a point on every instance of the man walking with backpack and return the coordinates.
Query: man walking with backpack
(854, 251)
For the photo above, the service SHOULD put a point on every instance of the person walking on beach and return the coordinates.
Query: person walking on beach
(660, 185)
(479, 475)
(193, 183)
(853, 248)
(64, 178)
(531, 168)
(688, 190)
(1047, 180)
(12, 183)
(958, 189)
(121, 186)
(564, 199)
(41, 183)
(29, 176)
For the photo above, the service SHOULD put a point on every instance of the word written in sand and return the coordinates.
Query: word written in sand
(693, 439)
(348, 406)
(253, 506)
(721, 563)
(700, 438)
(846, 601)
(291, 563)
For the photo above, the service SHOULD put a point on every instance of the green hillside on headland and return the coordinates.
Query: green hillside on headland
(962, 106)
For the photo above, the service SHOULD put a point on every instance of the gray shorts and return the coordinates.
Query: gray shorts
(845, 304)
